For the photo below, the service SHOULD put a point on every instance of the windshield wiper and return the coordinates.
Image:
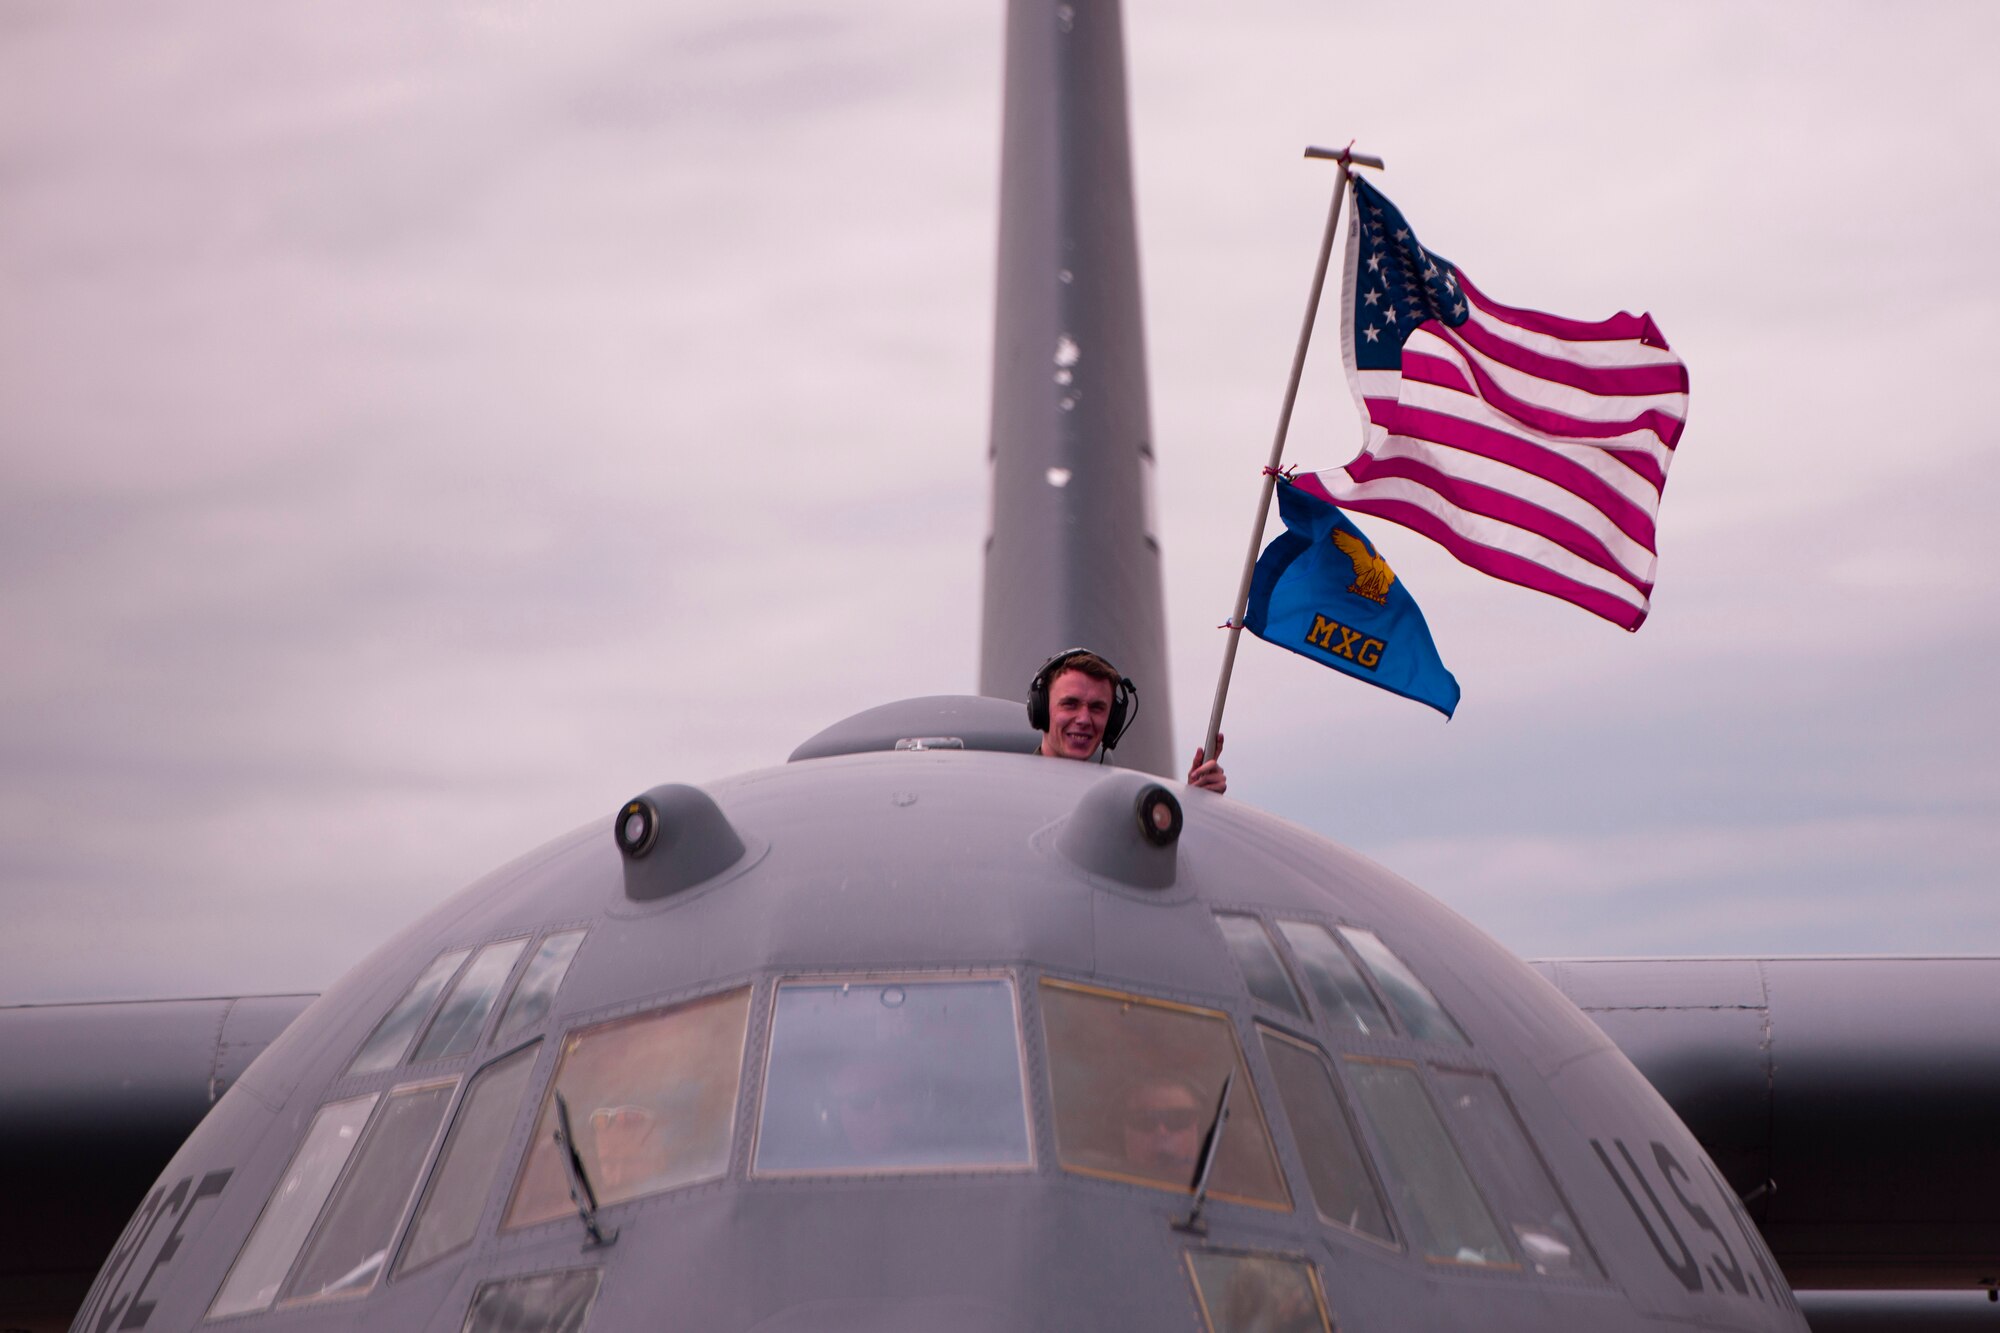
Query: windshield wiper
(580, 1192)
(1210, 1142)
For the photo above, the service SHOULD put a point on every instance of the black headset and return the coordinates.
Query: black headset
(1124, 697)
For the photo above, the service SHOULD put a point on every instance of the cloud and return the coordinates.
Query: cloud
(424, 428)
(1848, 884)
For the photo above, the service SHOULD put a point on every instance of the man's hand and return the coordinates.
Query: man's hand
(1209, 775)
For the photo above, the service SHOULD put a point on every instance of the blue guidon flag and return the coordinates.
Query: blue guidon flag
(1322, 591)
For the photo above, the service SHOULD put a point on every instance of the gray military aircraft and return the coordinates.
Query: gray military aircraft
(918, 1030)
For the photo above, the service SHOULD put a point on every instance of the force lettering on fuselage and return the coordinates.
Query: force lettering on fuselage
(1352, 646)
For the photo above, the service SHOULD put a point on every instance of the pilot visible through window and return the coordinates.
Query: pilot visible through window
(895, 1076)
(652, 1100)
(879, 1107)
(1136, 1083)
(1161, 1124)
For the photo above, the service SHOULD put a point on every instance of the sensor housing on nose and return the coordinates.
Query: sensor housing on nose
(673, 838)
(1126, 828)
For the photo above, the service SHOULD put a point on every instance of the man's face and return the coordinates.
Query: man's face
(1078, 708)
(1163, 1129)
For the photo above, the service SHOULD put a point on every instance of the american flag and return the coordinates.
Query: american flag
(1532, 447)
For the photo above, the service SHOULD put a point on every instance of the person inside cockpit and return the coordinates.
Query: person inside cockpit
(1160, 1126)
(876, 1104)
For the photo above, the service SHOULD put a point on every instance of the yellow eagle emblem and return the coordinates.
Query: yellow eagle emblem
(1372, 575)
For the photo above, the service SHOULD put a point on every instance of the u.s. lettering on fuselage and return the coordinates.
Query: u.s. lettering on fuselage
(115, 1302)
(1724, 1273)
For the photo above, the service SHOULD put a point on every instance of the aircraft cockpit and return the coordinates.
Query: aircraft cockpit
(1351, 1092)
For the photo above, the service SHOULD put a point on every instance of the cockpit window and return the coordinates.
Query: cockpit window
(1342, 1184)
(275, 1240)
(1416, 1008)
(1136, 1083)
(470, 1160)
(385, 1046)
(1515, 1178)
(351, 1244)
(1344, 998)
(543, 977)
(652, 1099)
(1257, 1293)
(1446, 1218)
(538, 1303)
(1263, 973)
(456, 1028)
(894, 1076)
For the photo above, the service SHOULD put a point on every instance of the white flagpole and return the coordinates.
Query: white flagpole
(1344, 158)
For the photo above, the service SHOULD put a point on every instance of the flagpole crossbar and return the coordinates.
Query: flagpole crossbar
(1347, 155)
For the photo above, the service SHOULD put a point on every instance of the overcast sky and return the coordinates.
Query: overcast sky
(422, 427)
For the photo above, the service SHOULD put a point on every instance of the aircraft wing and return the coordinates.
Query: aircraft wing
(1852, 1102)
(94, 1100)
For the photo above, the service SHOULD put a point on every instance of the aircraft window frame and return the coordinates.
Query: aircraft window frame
(484, 1128)
(1409, 1193)
(760, 1132)
(368, 1179)
(1066, 1107)
(488, 972)
(540, 982)
(1389, 1237)
(540, 1171)
(572, 1320)
(1416, 1008)
(1339, 1011)
(410, 1014)
(1526, 1174)
(1256, 1320)
(1243, 949)
(291, 1214)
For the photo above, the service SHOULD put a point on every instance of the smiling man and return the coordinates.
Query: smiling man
(1080, 703)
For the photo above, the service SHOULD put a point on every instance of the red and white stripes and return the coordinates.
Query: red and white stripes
(1532, 447)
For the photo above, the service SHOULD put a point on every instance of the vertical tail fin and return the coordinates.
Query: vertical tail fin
(1072, 557)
